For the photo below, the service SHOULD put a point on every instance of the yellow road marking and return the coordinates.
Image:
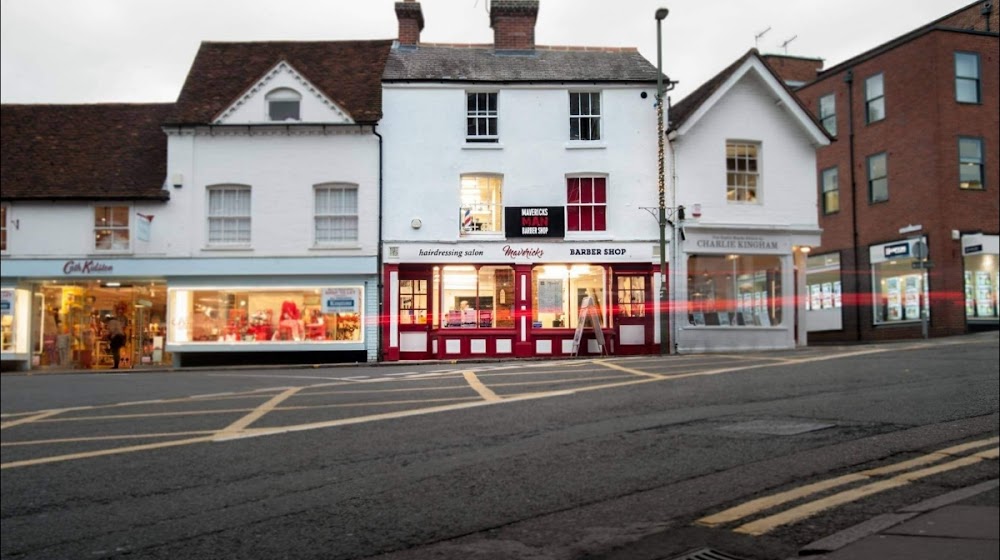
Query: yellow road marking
(628, 370)
(29, 419)
(477, 386)
(103, 452)
(809, 509)
(105, 438)
(768, 502)
(259, 411)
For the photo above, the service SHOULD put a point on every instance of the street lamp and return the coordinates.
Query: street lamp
(661, 13)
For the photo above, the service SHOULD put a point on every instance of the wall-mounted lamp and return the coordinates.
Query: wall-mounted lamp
(177, 180)
(415, 223)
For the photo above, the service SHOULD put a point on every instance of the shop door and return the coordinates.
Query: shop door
(415, 313)
(633, 314)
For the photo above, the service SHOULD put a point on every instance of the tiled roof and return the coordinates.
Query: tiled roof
(347, 72)
(481, 63)
(83, 152)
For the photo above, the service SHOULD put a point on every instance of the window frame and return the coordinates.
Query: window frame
(977, 79)
(595, 207)
(871, 179)
(283, 96)
(756, 174)
(591, 117)
(980, 161)
(334, 216)
(827, 192)
(479, 116)
(872, 100)
(113, 229)
(229, 218)
(828, 114)
(493, 208)
(4, 211)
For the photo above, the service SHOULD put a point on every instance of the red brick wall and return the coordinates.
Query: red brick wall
(920, 135)
(513, 23)
(794, 69)
(411, 22)
(974, 19)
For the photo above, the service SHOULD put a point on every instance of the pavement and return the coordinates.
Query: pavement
(963, 525)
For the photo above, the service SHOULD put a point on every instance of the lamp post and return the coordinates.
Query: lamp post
(661, 13)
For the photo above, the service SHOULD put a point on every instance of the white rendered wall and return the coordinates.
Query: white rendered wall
(426, 154)
(787, 192)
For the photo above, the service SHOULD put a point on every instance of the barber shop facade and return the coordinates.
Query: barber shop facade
(519, 297)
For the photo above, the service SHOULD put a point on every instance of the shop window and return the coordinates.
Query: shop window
(831, 191)
(828, 113)
(111, 228)
(481, 117)
(229, 215)
(300, 315)
(584, 115)
(283, 104)
(477, 298)
(878, 178)
(967, 86)
(735, 290)
(3, 228)
(982, 291)
(482, 205)
(631, 294)
(336, 214)
(742, 172)
(874, 98)
(970, 163)
(900, 292)
(559, 290)
(7, 310)
(824, 293)
(586, 204)
(413, 302)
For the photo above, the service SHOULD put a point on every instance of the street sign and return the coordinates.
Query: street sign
(920, 249)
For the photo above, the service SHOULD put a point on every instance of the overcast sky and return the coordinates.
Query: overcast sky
(97, 51)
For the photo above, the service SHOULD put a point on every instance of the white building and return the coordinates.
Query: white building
(742, 165)
(239, 224)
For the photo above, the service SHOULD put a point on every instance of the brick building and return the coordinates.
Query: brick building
(912, 174)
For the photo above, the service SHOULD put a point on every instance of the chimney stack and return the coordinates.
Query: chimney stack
(411, 22)
(513, 23)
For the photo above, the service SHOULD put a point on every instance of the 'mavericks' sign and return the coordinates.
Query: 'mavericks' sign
(534, 221)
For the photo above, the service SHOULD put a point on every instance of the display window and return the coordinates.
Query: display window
(263, 316)
(559, 290)
(981, 289)
(476, 297)
(901, 292)
(735, 290)
(824, 295)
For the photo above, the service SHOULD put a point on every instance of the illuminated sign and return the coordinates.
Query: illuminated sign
(534, 221)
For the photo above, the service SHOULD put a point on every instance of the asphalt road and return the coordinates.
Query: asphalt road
(753, 454)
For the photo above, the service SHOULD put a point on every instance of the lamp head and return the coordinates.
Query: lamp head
(661, 13)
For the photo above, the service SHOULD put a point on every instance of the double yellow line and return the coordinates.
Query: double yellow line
(803, 511)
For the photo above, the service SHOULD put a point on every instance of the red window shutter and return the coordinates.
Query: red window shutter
(600, 218)
(573, 215)
(587, 219)
(600, 190)
(573, 191)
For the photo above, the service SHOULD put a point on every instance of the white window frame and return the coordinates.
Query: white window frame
(113, 229)
(284, 96)
(476, 116)
(591, 206)
(586, 115)
(739, 189)
(828, 113)
(344, 215)
(229, 219)
(472, 206)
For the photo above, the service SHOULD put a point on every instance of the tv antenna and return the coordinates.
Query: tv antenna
(785, 44)
(756, 38)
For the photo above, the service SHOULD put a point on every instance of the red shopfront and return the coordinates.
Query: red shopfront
(496, 300)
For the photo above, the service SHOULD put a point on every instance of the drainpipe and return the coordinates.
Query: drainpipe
(849, 80)
(378, 259)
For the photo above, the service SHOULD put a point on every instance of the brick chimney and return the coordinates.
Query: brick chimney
(513, 23)
(411, 22)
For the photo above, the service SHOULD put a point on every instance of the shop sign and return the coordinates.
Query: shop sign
(340, 300)
(736, 243)
(973, 249)
(897, 250)
(87, 267)
(534, 221)
(6, 302)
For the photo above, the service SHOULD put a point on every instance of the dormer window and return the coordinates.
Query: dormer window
(283, 105)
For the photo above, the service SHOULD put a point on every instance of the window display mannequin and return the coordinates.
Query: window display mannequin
(290, 326)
